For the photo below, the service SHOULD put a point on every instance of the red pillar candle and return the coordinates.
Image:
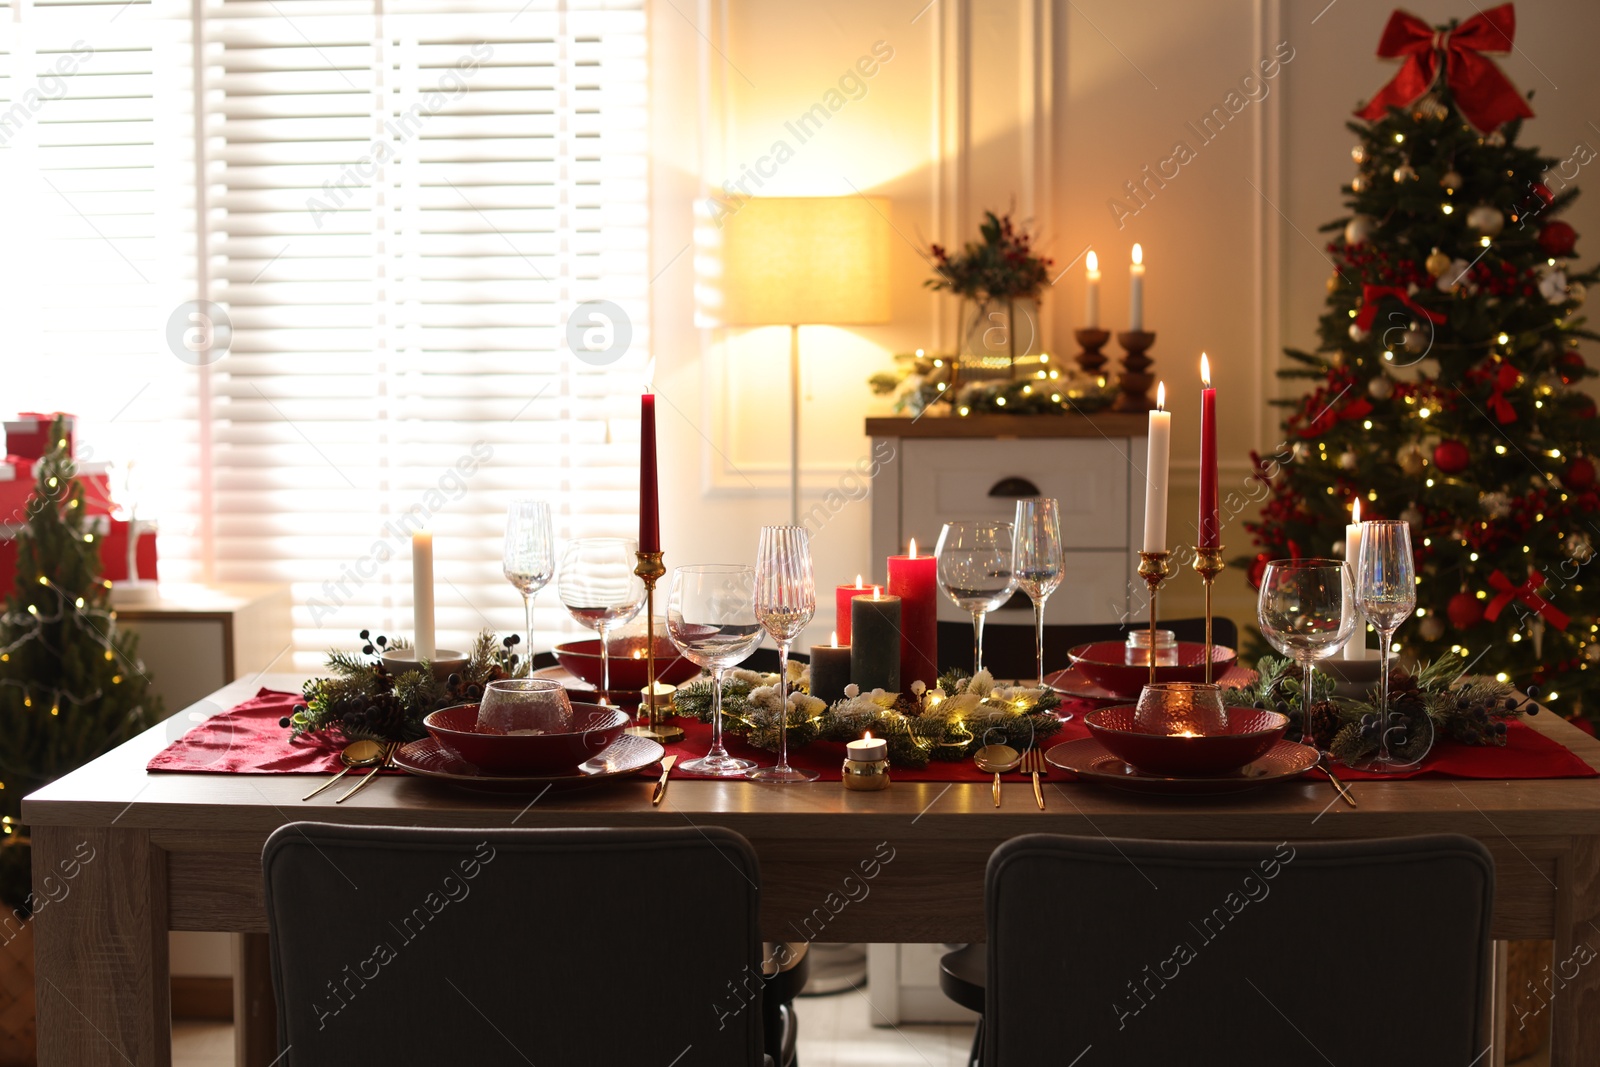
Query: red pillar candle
(913, 579)
(649, 501)
(841, 608)
(1210, 523)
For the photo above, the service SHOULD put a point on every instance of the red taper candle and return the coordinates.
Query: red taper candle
(913, 579)
(841, 607)
(649, 498)
(1210, 522)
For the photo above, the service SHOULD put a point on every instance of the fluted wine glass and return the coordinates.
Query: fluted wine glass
(1038, 560)
(1386, 586)
(528, 558)
(786, 599)
(1307, 611)
(711, 617)
(975, 571)
(600, 590)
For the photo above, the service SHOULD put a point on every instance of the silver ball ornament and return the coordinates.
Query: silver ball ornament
(1359, 229)
(1412, 515)
(1431, 628)
(1485, 220)
(1380, 388)
(1451, 180)
(1348, 461)
(1358, 334)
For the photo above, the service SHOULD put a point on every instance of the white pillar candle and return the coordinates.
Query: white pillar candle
(1356, 648)
(1155, 474)
(422, 593)
(1136, 290)
(1091, 309)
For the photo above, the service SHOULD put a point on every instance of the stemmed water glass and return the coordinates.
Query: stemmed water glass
(529, 558)
(600, 590)
(711, 617)
(786, 599)
(1038, 559)
(1307, 611)
(1386, 584)
(975, 571)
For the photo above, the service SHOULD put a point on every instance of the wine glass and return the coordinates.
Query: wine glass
(1307, 611)
(786, 599)
(975, 571)
(600, 590)
(1039, 563)
(711, 617)
(1386, 584)
(529, 558)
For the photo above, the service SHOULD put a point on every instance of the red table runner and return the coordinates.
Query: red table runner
(248, 740)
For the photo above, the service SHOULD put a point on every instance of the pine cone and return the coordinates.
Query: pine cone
(385, 717)
(1325, 722)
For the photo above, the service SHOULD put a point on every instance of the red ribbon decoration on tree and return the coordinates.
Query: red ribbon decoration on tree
(1371, 295)
(1485, 96)
(1359, 408)
(1528, 593)
(1506, 378)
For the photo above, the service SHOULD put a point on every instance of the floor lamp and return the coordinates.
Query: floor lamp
(805, 260)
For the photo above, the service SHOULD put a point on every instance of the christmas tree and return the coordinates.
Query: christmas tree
(71, 684)
(1445, 378)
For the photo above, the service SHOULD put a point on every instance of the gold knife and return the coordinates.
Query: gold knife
(661, 783)
(1327, 768)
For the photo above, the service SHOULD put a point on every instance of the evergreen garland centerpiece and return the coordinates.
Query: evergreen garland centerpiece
(1444, 390)
(947, 723)
(72, 686)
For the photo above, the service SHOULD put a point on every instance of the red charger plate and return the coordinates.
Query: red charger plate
(1088, 759)
(1105, 664)
(428, 759)
(592, 730)
(1251, 733)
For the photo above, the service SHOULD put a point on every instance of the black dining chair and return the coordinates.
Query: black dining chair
(1008, 648)
(508, 946)
(1244, 954)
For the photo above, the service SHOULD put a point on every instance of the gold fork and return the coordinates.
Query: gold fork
(1033, 763)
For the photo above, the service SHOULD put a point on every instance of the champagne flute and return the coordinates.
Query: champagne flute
(528, 559)
(600, 590)
(1039, 563)
(1386, 583)
(786, 599)
(711, 617)
(975, 571)
(1307, 611)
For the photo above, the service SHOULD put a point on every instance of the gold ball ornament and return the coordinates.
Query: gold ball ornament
(1412, 459)
(1359, 229)
(1333, 282)
(1358, 184)
(1452, 180)
(1358, 154)
(1437, 263)
(1405, 173)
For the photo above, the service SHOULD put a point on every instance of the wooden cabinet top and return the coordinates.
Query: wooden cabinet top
(1102, 424)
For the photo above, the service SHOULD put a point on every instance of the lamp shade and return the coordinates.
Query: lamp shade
(792, 260)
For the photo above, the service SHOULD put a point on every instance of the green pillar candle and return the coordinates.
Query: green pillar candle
(875, 641)
(830, 671)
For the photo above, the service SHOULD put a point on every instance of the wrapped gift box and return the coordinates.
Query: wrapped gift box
(28, 435)
(112, 537)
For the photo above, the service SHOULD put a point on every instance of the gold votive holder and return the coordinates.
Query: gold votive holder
(865, 776)
(1181, 709)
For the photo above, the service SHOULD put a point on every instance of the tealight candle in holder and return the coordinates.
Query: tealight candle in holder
(1181, 709)
(866, 764)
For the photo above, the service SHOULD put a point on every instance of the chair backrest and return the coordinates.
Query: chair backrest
(1008, 647)
(425, 946)
(1240, 953)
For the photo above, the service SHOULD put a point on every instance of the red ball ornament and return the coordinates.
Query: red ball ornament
(1465, 611)
(1558, 238)
(1543, 192)
(1451, 457)
(1579, 473)
(1571, 367)
(1258, 567)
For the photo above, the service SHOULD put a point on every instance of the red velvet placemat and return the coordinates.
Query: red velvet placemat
(248, 740)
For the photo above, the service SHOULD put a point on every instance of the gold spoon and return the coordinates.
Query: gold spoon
(383, 761)
(355, 754)
(994, 759)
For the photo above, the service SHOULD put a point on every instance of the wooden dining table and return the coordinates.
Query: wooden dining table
(121, 856)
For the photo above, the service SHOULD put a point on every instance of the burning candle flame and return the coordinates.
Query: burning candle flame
(1094, 262)
(638, 653)
(1138, 254)
(858, 582)
(877, 592)
(1205, 371)
(835, 639)
(1187, 733)
(1355, 512)
(913, 548)
(1161, 392)
(867, 736)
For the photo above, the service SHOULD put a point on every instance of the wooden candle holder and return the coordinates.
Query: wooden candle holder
(1091, 359)
(1136, 380)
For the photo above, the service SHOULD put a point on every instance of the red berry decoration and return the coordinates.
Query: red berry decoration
(1558, 239)
(1465, 611)
(1451, 457)
(1579, 473)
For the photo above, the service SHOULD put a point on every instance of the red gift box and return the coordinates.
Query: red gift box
(28, 435)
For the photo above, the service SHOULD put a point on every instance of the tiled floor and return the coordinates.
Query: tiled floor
(835, 1031)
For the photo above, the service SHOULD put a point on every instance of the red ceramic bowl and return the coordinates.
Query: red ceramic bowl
(1105, 664)
(628, 674)
(1250, 735)
(589, 731)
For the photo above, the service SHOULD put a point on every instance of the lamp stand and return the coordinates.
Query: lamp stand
(794, 424)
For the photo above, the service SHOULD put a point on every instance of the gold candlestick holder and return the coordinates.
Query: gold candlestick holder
(1208, 564)
(651, 721)
(1154, 568)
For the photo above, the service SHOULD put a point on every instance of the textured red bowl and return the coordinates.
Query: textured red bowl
(589, 731)
(582, 658)
(1250, 735)
(1105, 664)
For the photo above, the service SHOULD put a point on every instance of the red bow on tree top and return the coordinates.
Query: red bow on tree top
(1484, 95)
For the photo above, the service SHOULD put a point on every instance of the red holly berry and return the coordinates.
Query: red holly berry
(1451, 457)
(1558, 238)
(1465, 611)
(1579, 473)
